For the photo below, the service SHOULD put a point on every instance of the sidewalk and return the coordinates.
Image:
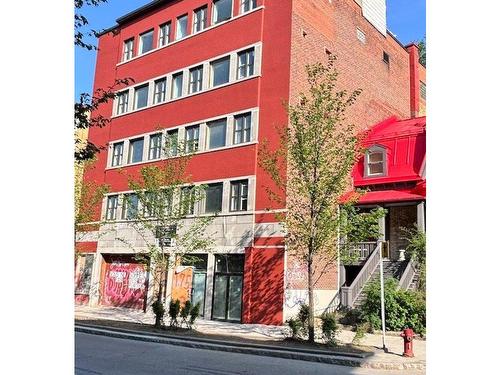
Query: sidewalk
(270, 337)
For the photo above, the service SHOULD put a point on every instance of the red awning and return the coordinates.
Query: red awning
(388, 196)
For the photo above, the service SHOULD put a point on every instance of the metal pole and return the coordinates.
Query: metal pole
(382, 297)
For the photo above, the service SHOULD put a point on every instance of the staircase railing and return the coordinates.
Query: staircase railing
(408, 275)
(350, 293)
(361, 250)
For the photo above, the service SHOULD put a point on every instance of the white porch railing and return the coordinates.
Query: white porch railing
(408, 275)
(361, 250)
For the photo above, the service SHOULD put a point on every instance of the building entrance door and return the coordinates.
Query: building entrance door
(228, 287)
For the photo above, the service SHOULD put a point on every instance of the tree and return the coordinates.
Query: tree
(422, 52)
(318, 151)
(81, 22)
(162, 198)
(416, 250)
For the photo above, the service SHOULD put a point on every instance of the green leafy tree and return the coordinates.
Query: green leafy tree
(318, 151)
(416, 250)
(160, 207)
(422, 52)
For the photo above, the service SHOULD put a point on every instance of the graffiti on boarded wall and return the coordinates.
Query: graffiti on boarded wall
(182, 284)
(125, 285)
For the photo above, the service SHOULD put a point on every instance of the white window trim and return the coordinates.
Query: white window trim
(375, 148)
(191, 35)
(186, 15)
(212, 18)
(181, 134)
(139, 53)
(205, 88)
(243, 11)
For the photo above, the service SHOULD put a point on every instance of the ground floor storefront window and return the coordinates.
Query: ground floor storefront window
(228, 287)
(83, 275)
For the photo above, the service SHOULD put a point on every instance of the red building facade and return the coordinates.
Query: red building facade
(217, 72)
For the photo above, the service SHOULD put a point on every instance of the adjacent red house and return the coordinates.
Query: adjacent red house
(215, 73)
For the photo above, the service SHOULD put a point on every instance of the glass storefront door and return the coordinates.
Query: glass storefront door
(228, 287)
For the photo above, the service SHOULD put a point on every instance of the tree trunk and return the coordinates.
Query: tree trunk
(159, 299)
(311, 299)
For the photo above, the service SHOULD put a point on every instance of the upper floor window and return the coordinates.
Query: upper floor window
(195, 79)
(172, 142)
(217, 133)
(177, 85)
(422, 90)
(242, 128)
(375, 161)
(164, 34)
(160, 90)
(111, 207)
(141, 97)
(128, 49)
(222, 10)
(117, 158)
(247, 5)
(220, 71)
(187, 200)
(192, 138)
(146, 42)
(154, 146)
(213, 198)
(246, 61)
(200, 19)
(130, 206)
(239, 195)
(122, 102)
(181, 30)
(135, 151)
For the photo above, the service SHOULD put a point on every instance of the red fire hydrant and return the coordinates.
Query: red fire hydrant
(408, 336)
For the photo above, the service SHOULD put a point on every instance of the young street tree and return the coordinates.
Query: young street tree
(318, 151)
(159, 209)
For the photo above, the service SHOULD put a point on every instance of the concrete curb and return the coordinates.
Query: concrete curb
(346, 359)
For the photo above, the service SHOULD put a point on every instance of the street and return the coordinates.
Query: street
(97, 355)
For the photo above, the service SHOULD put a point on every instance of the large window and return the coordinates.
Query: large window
(154, 146)
(195, 79)
(222, 10)
(177, 85)
(242, 128)
(246, 61)
(111, 207)
(146, 42)
(375, 161)
(141, 97)
(247, 5)
(181, 30)
(164, 34)
(239, 195)
(172, 142)
(160, 90)
(117, 158)
(128, 49)
(187, 200)
(136, 149)
(200, 19)
(217, 133)
(220, 71)
(192, 138)
(122, 102)
(213, 198)
(130, 206)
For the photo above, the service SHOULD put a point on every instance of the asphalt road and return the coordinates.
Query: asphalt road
(102, 355)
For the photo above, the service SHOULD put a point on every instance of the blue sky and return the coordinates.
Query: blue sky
(405, 19)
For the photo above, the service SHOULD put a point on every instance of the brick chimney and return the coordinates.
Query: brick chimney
(414, 80)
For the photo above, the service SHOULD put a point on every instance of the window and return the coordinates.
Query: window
(246, 63)
(160, 90)
(111, 207)
(242, 128)
(122, 102)
(141, 97)
(361, 35)
(177, 85)
(172, 142)
(146, 42)
(195, 79)
(130, 206)
(164, 34)
(135, 150)
(217, 133)
(422, 90)
(247, 5)
(182, 23)
(222, 10)
(213, 198)
(187, 200)
(239, 195)
(117, 158)
(200, 19)
(385, 57)
(375, 161)
(85, 264)
(220, 71)
(128, 49)
(154, 146)
(192, 138)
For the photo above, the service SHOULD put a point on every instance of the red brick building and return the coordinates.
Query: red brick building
(218, 71)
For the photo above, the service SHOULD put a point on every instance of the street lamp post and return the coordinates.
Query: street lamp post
(382, 297)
